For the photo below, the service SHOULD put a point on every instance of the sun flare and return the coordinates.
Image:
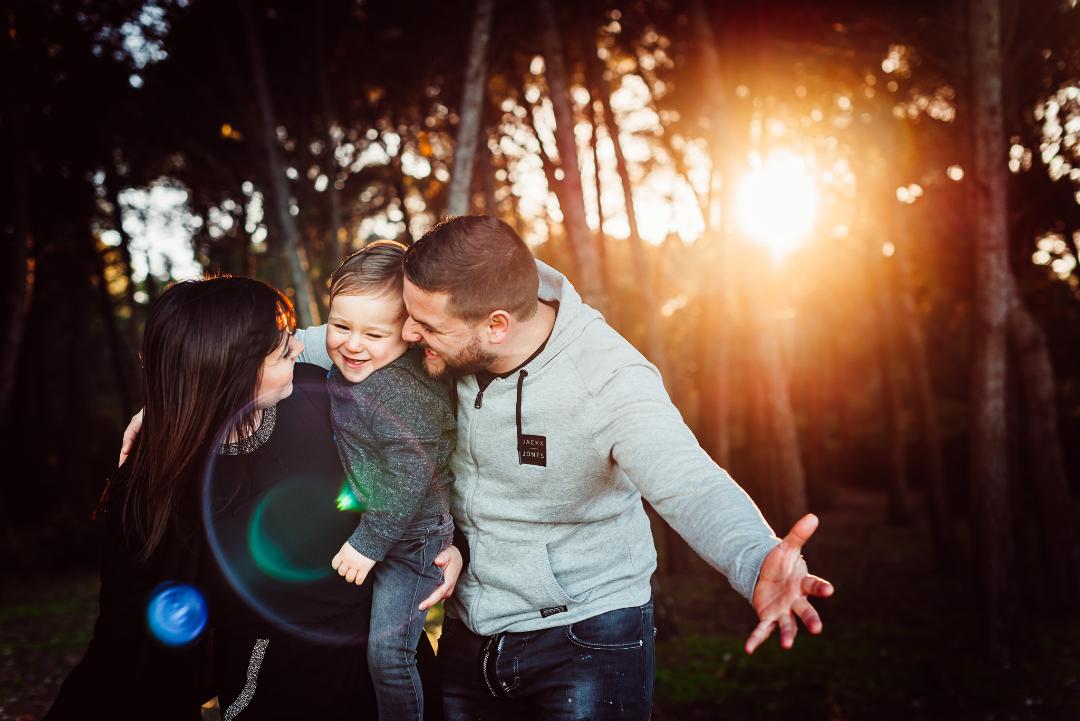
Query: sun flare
(776, 203)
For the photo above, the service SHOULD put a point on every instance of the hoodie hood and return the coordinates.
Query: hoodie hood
(572, 320)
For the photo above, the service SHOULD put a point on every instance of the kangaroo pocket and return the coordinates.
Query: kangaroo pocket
(518, 576)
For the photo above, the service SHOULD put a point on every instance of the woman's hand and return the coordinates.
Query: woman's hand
(129, 436)
(450, 562)
(352, 565)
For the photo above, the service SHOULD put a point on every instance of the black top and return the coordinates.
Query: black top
(262, 560)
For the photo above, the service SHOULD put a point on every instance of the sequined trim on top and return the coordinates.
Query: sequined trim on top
(256, 439)
(258, 653)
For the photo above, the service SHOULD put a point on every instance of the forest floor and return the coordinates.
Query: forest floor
(900, 642)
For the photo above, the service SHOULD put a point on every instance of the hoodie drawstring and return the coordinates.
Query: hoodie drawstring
(517, 409)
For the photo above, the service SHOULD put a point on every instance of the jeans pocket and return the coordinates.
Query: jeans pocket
(618, 630)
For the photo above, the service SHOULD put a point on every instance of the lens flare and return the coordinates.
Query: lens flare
(277, 514)
(347, 500)
(273, 555)
(176, 614)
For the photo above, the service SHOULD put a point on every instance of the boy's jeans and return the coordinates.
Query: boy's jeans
(599, 669)
(402, 580)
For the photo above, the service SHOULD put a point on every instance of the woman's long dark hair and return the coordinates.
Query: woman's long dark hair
(203, 349)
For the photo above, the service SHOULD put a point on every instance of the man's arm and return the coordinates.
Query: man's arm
(647, 438)
(644, 433)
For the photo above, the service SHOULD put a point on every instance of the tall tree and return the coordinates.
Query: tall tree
(987, 423)
(573, 209)
(722, 151)
(1053, 498)
(924, 401)
(471, 112)
(291, 243)
(655, 348)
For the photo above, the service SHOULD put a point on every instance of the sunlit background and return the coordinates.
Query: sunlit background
(780, 213)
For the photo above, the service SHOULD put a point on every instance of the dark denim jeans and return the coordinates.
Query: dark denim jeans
(599, 669)
(401, 581)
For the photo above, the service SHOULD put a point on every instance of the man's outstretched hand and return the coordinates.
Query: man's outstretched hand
(784, 587)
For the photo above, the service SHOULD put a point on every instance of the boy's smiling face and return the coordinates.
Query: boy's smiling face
(363, 333)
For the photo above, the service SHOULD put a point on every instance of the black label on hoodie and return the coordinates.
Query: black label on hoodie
(532, 450)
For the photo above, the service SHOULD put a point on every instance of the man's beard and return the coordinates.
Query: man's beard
(472, 359)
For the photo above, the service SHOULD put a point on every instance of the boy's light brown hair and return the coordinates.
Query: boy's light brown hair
(481, 263)
(376, 269)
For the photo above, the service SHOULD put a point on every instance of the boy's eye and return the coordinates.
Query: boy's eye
(342, 328)
(375, 336)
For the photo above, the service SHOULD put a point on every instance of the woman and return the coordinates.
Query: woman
(232, 488)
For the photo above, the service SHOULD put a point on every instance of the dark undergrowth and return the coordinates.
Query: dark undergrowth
(900, 641)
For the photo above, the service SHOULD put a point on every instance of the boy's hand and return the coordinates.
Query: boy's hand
(352, 565)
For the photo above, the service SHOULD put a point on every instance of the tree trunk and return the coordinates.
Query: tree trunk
(718, 305)
(339, 236)
(118, 350)
(19, 287)
(988, 439)
(295, 256)
(791, 480)
(596, 119)
(487, 177)
(471, 111)
(112, 188)
(880, 285)
(1053, 498)
(577, 229)
(402, 193)
(650, 305)
(937, 493)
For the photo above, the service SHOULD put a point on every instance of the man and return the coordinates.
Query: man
(562, 428)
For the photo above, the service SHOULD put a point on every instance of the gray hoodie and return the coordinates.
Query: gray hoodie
(551, 466)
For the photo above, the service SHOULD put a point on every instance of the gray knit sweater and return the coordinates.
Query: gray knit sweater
(395, 432)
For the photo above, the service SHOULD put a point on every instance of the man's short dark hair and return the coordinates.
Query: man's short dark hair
(481, 262)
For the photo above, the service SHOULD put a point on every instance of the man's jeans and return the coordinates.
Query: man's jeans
(401, 581)
(599, 669)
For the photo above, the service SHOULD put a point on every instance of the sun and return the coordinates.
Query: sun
(776, 203)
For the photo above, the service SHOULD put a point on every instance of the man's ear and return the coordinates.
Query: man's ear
(498, 326)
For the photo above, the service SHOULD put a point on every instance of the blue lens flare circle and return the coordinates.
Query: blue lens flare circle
(277, 512)
(177, 614)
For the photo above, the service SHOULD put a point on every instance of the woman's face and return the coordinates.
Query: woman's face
(275, 377)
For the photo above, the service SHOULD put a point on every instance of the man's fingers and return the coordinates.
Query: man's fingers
(815, 586)
(350, 576)
(442, 592)
(808, 615)
(802, 530)
(360, 578)
(758, 636)
(788, 629)
(335, 562)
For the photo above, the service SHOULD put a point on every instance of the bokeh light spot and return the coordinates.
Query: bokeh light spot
(177, 614)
